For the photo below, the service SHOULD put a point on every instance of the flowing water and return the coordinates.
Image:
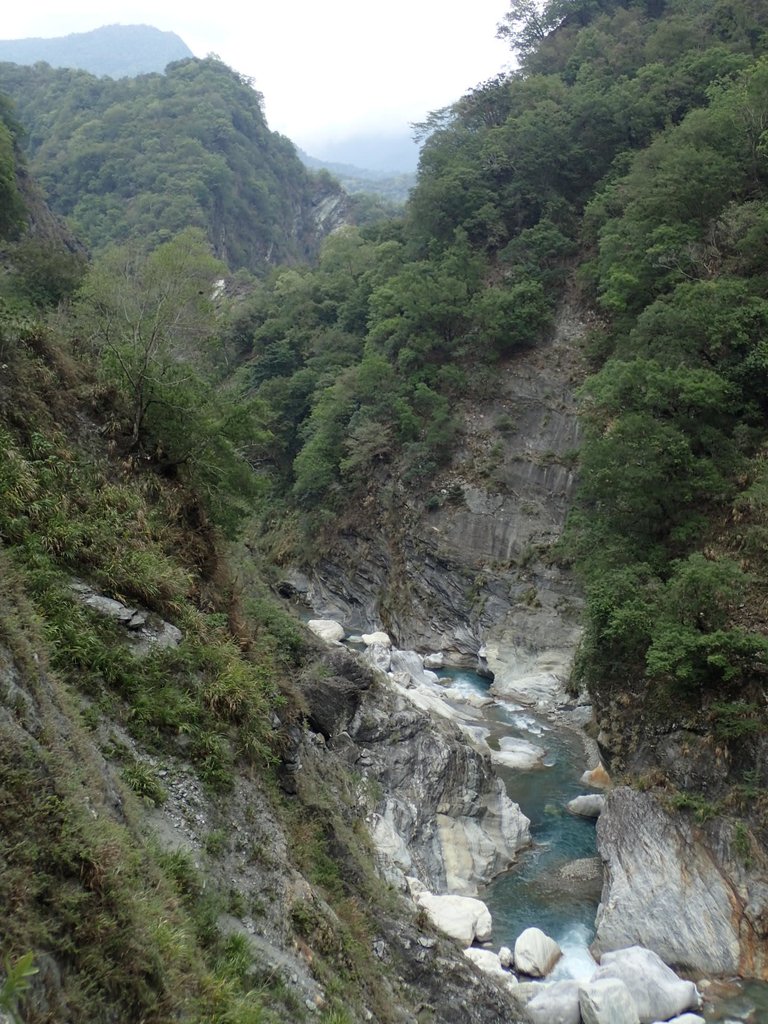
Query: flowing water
(531, 894)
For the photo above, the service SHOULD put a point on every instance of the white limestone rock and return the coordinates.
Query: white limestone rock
(461, 917)
(536, 953)
(679, 889)
(415, 886)
(517, 753)
(556, 1003)
(410, 663)
(657, 991)
(506, 959)
(589, 805)
(379, 656)
(686, 1018)
(393, 855)
(489, 963)
(376, 639)
(327, 629)
(432, 661)
(607, 1001)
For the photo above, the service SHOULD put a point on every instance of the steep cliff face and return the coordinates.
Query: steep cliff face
(697, 894)
(472, 567)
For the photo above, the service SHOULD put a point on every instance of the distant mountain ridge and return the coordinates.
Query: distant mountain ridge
(376, 151)
(393, 186)
(118, 51)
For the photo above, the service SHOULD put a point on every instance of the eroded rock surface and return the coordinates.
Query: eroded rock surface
(681, 889)
(472, 570)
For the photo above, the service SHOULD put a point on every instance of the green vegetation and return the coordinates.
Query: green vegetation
(144, 158)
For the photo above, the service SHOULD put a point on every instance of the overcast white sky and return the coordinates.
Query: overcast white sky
(326, 67)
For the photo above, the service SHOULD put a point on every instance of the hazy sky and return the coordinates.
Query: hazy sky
(325, 67)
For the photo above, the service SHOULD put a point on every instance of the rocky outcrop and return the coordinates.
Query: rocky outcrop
(471, 569)
(444, 814)
(144, 630)
(557, 1003)
(683, 890)
(460, 917)
(607, 1001)
(654, 989)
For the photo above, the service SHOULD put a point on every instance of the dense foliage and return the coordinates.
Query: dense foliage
(144, 158)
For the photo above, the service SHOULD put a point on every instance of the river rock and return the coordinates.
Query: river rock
(535, 953)
(517, 753)
(327, 629)
(589, 805)
(460, 917)
(506, 958)
(490, 963)
(376, 639)
(686, 1018)
(607, 1001)
(597, 777)
(379, 656)
(657, 991)
(432, 661)
(410, 663)
(556, 1003)
(680, 888)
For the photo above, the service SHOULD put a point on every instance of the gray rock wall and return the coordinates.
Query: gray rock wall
(695, 894)
(469, 565)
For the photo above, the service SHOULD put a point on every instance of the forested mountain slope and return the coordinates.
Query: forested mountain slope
(143, 158)
(628, 155)
(176, 842)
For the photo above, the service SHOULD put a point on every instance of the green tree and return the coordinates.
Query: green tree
(145, 314)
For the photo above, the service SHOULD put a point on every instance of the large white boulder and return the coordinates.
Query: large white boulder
(327, 629)
(535, 953)
(462, 917)
(517, 753)
(376, 639)
(489, 963)
(589, 805)
(410, 663)
(432, 661)
(557, 1003)
(657, 991)
(607, 1001)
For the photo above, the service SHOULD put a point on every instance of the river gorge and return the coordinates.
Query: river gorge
(474, 575)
